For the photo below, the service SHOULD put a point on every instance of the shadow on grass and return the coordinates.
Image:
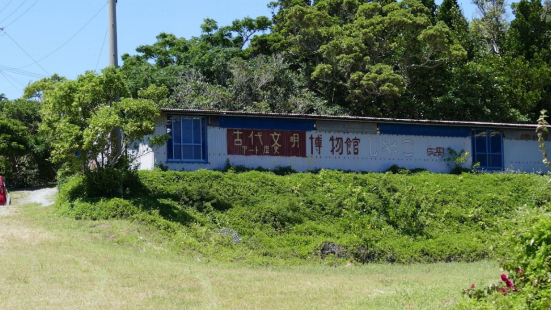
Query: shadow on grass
(168, 211)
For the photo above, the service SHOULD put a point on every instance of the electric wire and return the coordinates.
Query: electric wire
(13, 11)
(62, 45)
(26, 53)
(101, 50)
(31, 75)
(2, 10)
(8, 80)
(13, 21)
(21, 72)
(14, 79)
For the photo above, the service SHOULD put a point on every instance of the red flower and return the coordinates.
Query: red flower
(520, 272)
(472, 287)
(507, 281)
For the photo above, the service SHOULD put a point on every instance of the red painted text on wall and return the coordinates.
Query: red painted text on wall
(266, 142)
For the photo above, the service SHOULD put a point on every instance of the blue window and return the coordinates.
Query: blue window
(488, 148)
(188, 142)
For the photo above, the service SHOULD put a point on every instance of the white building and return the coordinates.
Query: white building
(208, 139)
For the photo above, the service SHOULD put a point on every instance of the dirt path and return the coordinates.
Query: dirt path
(12, 228)
(44, 196)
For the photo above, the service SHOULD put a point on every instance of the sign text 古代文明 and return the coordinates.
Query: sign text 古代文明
(251, 142)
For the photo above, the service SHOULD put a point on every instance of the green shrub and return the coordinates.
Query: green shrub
(371, 217)
(71, 188)
(99, 183)
(531, 268)
(528, 270)
(97, 209)
(278, 170)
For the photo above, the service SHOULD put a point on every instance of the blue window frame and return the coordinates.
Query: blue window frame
(488, 148)
(188, 138)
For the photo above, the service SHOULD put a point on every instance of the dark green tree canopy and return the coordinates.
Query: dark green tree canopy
(408, 59)
(24, 153)
(530, 32)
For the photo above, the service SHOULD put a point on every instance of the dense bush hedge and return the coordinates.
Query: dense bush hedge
(372, 217)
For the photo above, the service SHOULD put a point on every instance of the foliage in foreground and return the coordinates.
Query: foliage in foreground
(527, 284)
(374, 217)
(80, 119)
(80, 115)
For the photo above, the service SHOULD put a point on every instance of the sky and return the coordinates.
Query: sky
(68, 37)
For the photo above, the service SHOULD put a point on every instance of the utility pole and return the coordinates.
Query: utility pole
(112, 20)
(117, 134)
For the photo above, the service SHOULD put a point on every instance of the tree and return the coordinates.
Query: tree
(408, 59)
(237, 35)
(24, 152)
(262, 83)
(450, 13)
(369, 63)
(530, 32)
(13, 145)
(35, 90)
(492, 24)
(493, 89)
(79, 117)
(209, 54)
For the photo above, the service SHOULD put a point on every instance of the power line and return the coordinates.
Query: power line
(2, 10)
(13, 21)
(26, 53)
(14, 79)
(13, 11)
(21, 72)
(62, 45)
(8, 80)
(101, 50)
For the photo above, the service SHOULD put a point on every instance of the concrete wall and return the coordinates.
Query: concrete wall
(521, 151)
(372, 152)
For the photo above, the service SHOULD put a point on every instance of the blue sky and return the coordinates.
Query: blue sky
(51, 32)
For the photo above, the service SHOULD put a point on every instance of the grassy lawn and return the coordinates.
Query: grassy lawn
(51, 262)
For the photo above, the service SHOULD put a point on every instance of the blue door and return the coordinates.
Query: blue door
(488, 148)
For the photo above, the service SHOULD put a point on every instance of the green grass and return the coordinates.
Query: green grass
(54, 262)
(292, 219)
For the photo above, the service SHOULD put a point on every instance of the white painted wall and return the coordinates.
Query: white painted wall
(145, 157)
(524, 155)
(376, 152)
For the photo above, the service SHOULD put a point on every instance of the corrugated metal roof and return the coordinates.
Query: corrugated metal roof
(348, 118)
